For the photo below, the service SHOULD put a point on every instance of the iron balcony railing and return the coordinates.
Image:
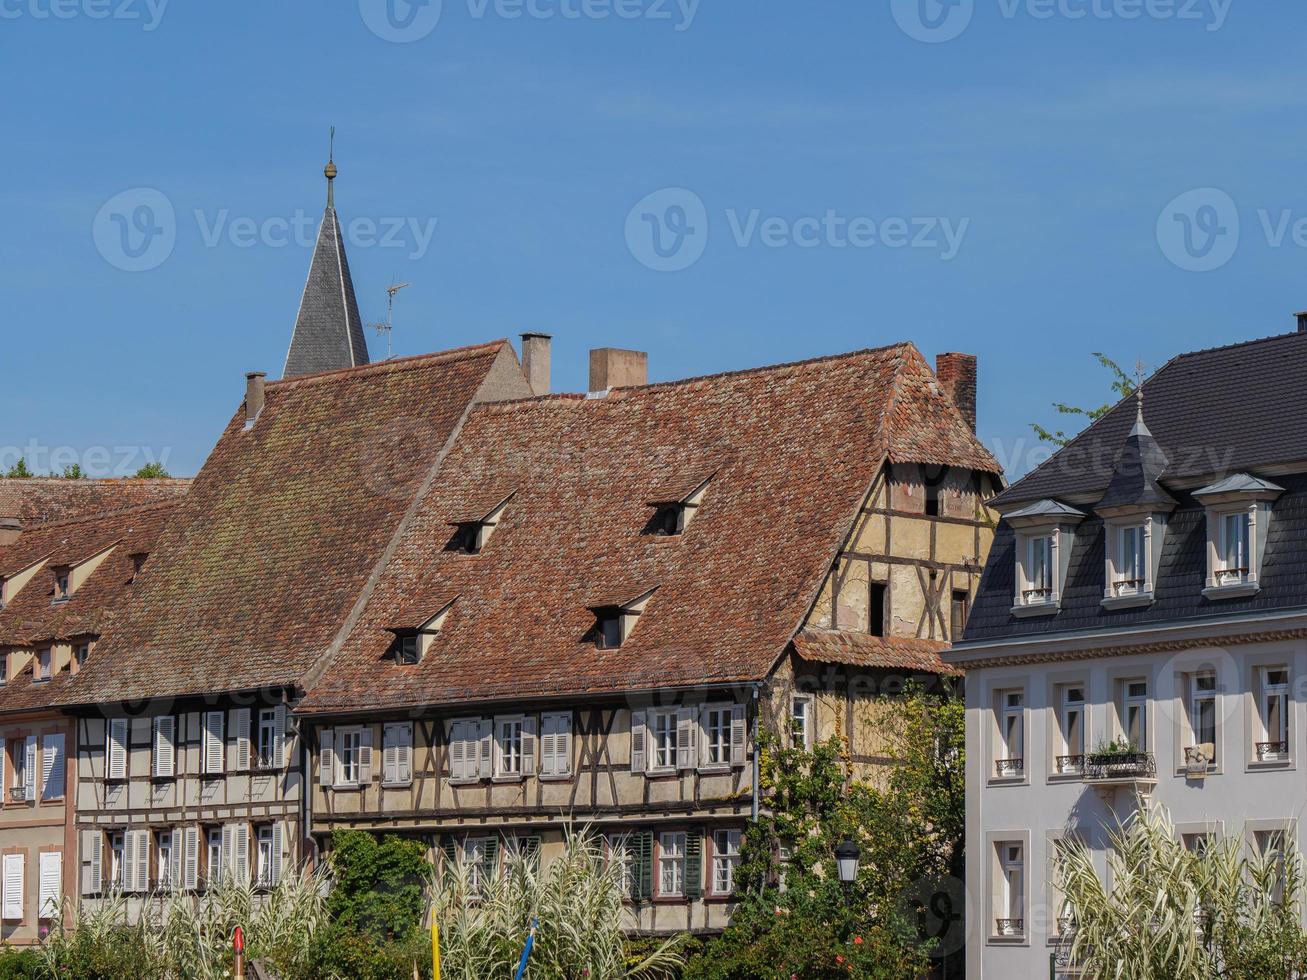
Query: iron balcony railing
(1272, 750)
(1132, 765)
(1010, 927)
(1070, 765)
(1010, 767)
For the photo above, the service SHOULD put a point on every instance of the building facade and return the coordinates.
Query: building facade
(1139, 639)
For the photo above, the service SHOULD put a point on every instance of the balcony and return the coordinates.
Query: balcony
(1070, 765)
(1010, 928)
(1009, 768)
(1272, 751)
(1112, 770)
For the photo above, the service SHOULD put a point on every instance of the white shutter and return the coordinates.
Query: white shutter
(486, 750)
(165, 739)
(50, 889)
(93, 844)
(224, 851)
(13, 887)
(365, 755)
(116, 749)
(639, 741)
(142, 861)
(175, 858)
(275, 871)
(128, 870)
(279, 736)
(404, 753)
(242, 725)
(241, 851)
(529, 745)
(737, 735)
(52, 767)
(460, 747)
(556, 744)
(213, 741)
(29, 774)
(327, 757)
(4, 753)
(390, 753)
(687, 729)
(191, 870)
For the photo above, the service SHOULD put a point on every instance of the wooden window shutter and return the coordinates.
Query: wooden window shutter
(639, 742)
(694, 864)
(241, 851)
(4, 756)
(128, 870)
(50, 888)
(459, 747)
(29, 775)
(529, 724)
(214, 742)
(687, 725)
(738, 741)
(242, 726)
(178, 844)
(326, 757)
(390, 754)
(449, 848)
(191, 871)
(275, 872)
(489, 858)
(164, 745)
(486, 752)
(279, 736)
(142, 861)
(117, 765)
(13, 887)
(93, 876)
(52, 766)
(224, 853)
(406, 753)
(642, 849)
(365, 754)
(530, 848)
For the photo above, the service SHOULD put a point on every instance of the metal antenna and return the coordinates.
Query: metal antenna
(386, 327)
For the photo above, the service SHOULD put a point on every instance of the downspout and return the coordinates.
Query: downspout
(306, 790)
(757, 760)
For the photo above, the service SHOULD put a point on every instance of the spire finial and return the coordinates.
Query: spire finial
(1140, 428)
(330, 169)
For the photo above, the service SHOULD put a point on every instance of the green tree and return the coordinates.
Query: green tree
(152, 471)
(1123, 386)
(19, 470)
(73, 472)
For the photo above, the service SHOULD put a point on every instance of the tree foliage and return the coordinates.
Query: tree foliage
(19, 470)
(1123, 386)
(152, 471)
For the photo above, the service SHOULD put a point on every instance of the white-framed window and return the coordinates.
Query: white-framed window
(725, 860)
(801, 721)
(118, 859)
(163, 845)
(349, 744)
(662, 738)
(1038, 572)
(263, 855)
(213, 855)
(1203, 722)
(621, 853)
(479, 855)
(53, 763)
(1010, 920)
(43, 665)
(1232, 549)
(1274, 715)
(1071, 724)
(24, 767)
(1010, 758)
(1131, 576)
(266, 742)
(671, 864)
(1134, 713)
(1272, 846)
(508, 746)
(717, 735)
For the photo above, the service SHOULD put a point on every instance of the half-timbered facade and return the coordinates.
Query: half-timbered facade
(602, 598)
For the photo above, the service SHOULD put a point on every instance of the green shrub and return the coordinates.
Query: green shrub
(341, 953)
(21, 964)
(379, 884)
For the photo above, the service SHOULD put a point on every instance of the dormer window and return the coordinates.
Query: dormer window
(1238, 518)
(1038, 584)
(138, 562)
(1128, 578)
(43, 665)
(614, 622)
(415, 633)
(674, 510)
(1043, 534)
(408, 651)
(62, 581)
(472, 533)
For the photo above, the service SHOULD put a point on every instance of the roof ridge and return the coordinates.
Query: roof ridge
(1225, 347)
(98, 516)
(117, 481)
(394, 364)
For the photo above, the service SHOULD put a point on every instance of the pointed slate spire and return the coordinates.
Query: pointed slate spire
(1138, 468)
(328, 330)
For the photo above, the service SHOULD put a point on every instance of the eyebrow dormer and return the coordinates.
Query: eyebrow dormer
(675, 506)
(615, 621)
(472, 532)
(414, 633)
(1042, 533)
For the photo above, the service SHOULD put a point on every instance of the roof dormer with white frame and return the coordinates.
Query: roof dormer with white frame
(1044, 532)
(1239, 512)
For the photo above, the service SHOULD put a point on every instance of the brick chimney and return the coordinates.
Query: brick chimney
(535, 361)
(10, 529)
(254, 395)
(613, 368)
(956, 374)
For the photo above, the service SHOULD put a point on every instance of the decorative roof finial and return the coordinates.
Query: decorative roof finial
(1140, 428)
(330, 169)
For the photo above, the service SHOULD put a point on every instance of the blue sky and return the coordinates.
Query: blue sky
(1042, 160)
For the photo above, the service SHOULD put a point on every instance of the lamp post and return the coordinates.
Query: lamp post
(847, 855)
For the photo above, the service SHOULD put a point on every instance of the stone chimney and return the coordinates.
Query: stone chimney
(1302, 322)
(535, 361)
(613, 368)
(254, 395)
(10, 529)
(956, 374)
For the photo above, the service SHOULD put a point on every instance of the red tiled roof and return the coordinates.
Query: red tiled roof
(50, 499)
(269, 553)
(794, 450)
(861, 650)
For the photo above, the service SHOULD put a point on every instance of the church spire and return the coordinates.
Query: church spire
(328, 330)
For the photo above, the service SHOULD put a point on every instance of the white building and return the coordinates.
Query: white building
(1140, 636)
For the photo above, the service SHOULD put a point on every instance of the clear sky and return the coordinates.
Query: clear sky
(1006, 177)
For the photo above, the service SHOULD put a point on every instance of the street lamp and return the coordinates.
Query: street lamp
(847, 855)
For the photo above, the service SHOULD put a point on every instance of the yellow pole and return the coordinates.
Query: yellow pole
(435, 948)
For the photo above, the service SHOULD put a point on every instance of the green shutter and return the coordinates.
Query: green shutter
(530, 849)
(642, 870)
(489, 862)
(694, 864)
(450, 849)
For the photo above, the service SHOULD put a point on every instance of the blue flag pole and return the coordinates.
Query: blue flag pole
(526, 952)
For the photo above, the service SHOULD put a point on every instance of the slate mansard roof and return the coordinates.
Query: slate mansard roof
(268, 554)
(1215, 414)
(791, 451)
